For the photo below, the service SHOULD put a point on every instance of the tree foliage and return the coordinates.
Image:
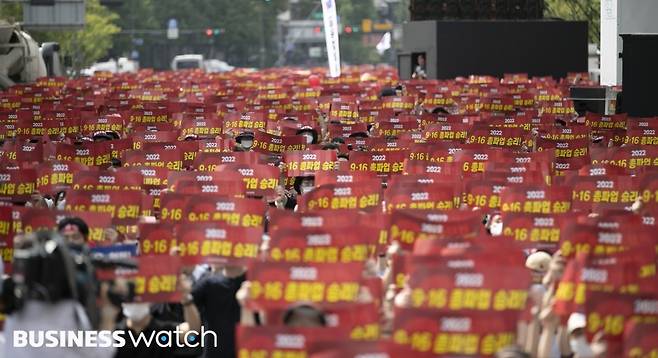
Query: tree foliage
(85, 46)
(10, 12)
(587, 10)
(352, 49)
(351, 13)
(248, 25)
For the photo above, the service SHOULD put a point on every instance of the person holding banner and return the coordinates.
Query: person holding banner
(304, 184)
(245, 141)
(371, 167)
(214, 295)
(138, 319)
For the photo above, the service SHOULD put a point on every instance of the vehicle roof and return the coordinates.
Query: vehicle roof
(188, 57)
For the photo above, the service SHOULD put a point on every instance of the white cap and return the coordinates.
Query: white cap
(576, 320)
(148, 220)
(538, 261)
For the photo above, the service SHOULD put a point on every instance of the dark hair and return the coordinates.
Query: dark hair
(359, 135)
(243, 135)
(61, 195)
(439, 110)
(313, 132)
(76, 221)
(297, 183)
(297, 309)
(330, 146)
(101, 136)
(387, 92)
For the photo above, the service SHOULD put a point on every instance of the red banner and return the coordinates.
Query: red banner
(311, 246)
(251, 121)
(378, 162)
(118, 204)
(17, 185)
(156, 280)
(409, 226)
(6, 237)
(170, 159)
(258, 179)
(426, 333)
(357, 196)
(209, 162)
(279, 284)
(281, 341)
(107, 180)
(609, 313)
(603, 191)
(489, 289)
(139, 138)
(54, 176)
(536, 231)
(483, 193)
(500, 137)
(284, 219)
(343, 177)
(218, 243)
(640, 339)
(89, 154)
(234, 211)
(419, 196)
(156, 239)
(533, 199)
(307, 163)
(149, 116)
(446, 131)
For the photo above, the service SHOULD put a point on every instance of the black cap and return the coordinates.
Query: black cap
(359, 135)
(387, 92)
(243, 135)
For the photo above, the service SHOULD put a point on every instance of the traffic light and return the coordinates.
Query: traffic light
(366, 25)
(210, 32)
(348, 29)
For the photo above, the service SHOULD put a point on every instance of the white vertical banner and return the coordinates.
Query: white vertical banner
(331, 36)
(610, 43)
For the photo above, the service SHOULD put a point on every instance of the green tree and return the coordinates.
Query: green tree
(10, 12)
(401, 11)
(85, 46)
(586, 10)
(352, 49)
(249, 26)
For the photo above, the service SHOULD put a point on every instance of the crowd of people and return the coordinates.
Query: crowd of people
(298, 215)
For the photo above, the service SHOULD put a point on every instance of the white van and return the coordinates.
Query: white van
(185, 62)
